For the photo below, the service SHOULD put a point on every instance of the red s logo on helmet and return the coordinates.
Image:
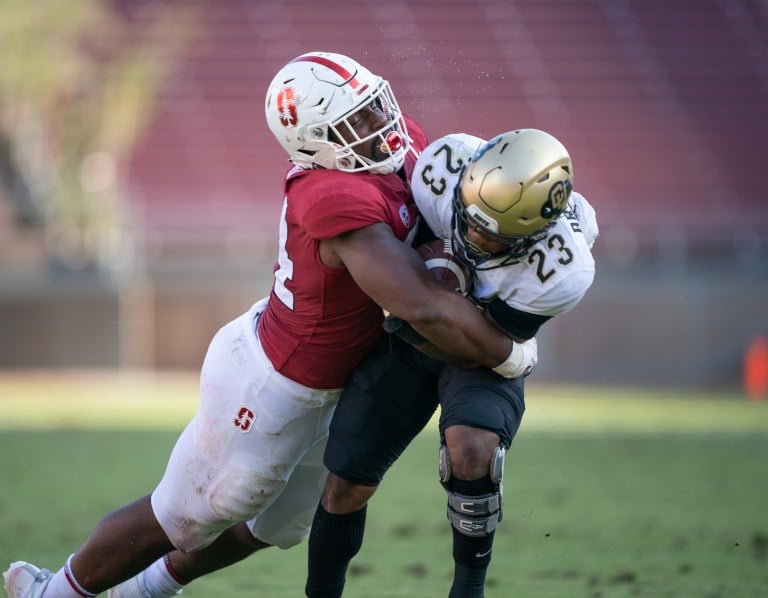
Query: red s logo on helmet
(286, 107)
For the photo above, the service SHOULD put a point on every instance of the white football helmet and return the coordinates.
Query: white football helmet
(511, 191)
(310, 102)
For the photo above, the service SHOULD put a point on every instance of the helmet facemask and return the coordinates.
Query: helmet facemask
(517, 247)
(385, 147)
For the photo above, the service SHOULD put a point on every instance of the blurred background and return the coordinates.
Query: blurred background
(140, 187)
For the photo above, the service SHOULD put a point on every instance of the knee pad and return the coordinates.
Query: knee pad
(474, 511)
(495, 469)
(242, 494)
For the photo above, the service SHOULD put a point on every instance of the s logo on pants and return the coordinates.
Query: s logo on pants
(244, 419)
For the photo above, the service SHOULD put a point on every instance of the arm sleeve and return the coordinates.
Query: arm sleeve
(515, 322)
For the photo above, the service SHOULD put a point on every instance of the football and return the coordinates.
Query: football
(444, 266)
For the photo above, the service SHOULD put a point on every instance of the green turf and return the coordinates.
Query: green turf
(598, 503)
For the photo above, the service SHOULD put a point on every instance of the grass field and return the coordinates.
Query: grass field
(608, 492)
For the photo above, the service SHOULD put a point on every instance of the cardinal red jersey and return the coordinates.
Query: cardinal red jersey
(319, 324)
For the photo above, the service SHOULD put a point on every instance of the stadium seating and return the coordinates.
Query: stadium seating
(662, 106)
(661, 102)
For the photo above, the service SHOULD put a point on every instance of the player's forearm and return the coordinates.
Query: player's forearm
(395, 277)
(431, 350)
(404, 331)
(520, 361)
(462, 335)
(457, 328)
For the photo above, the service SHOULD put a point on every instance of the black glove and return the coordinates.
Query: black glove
(403, 330)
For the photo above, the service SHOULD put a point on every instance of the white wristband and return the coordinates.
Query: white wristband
(521, 361)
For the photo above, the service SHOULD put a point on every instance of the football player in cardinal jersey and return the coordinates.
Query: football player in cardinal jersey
(247, 471)
(508, 209)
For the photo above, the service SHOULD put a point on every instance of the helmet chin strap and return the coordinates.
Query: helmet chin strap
(481, 260)
(476, 252)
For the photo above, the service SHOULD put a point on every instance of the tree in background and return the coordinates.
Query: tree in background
(77, 85)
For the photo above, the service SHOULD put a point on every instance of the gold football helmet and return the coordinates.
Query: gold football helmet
(510, 192)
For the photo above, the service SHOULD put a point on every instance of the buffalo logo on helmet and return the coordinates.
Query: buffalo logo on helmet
(286, 107)
(557, 200)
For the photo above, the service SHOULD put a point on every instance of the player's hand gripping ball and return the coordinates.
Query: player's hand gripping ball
(446, 267)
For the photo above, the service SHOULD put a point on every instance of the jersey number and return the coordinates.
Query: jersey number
(537, 256)
(284, 270)
(437, 186)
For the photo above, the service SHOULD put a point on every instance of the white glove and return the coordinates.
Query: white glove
(521, 360)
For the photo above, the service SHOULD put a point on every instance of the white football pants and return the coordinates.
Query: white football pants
(253, 452)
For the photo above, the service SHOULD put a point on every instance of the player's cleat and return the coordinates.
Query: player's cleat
(136, 587)
(23, 580)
